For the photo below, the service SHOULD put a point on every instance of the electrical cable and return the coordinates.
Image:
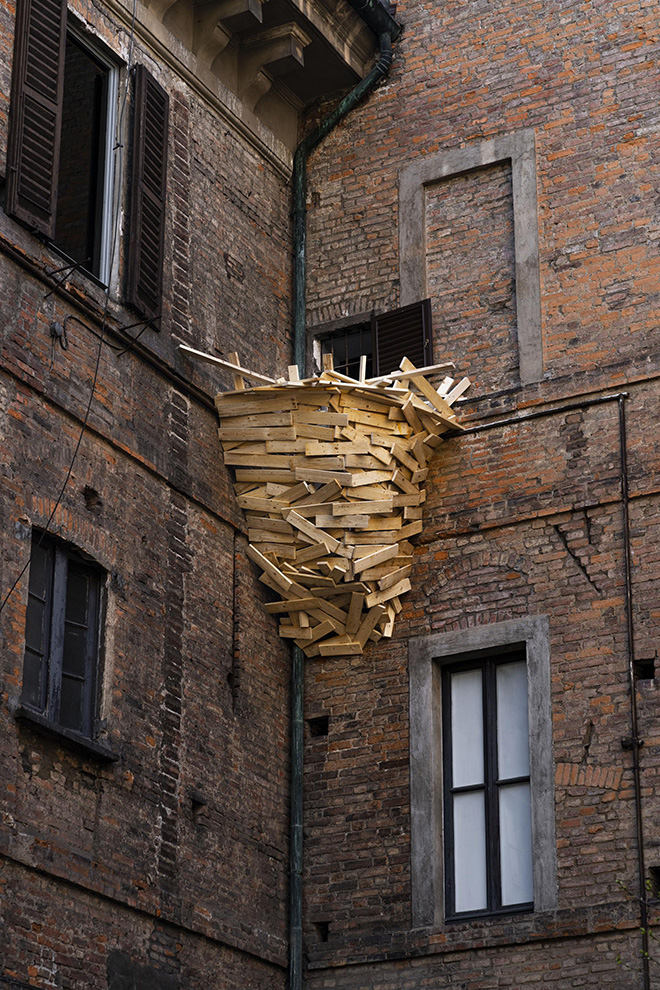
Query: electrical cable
(118, 153)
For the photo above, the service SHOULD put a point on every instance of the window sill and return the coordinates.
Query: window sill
(39, 723)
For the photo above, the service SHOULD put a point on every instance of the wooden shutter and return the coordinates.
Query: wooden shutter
(148, 179)
(404, 332)
(36, 113)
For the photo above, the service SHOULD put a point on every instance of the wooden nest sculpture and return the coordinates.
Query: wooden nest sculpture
(329, 471)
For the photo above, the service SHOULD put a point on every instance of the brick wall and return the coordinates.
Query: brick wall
(523, 520)
(167, 868)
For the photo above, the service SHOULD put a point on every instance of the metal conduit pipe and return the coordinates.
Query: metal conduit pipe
(380, 21)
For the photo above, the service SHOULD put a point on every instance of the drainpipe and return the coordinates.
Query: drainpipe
(387, 30)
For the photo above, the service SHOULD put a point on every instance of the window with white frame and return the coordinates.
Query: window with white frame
(481, 773)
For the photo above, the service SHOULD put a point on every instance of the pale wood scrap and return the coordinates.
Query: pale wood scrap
(330, 477)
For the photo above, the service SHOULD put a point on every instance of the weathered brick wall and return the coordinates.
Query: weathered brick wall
(520, 521)
(168, 868)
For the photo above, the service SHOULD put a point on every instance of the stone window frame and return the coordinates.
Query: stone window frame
(426, 657)
(520, 150)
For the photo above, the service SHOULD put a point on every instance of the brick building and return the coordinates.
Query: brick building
(505, 170)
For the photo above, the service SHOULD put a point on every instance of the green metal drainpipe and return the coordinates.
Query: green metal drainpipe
(380, 21)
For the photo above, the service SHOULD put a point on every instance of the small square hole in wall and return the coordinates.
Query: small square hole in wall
(318, 726)
(323, 930)
(654, 881)
(644, 669)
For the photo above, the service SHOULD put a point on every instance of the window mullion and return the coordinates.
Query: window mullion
(490, 769)
(57, 634)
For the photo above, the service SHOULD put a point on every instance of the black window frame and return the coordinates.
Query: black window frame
(487, 664)
(328, 342)
(60, 561)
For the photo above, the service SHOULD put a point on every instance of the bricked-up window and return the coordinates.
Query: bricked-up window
(488, 827)
(62, 124)
(62, 636)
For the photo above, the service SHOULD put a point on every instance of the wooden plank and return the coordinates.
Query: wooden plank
(292, 605)
(429, 369)
(323, 628)
(287, 631)
(255, 434)
(354, 612)
(324, 494)
(312, 552)
(416, 498)
(457, 391)
(318, 417)
(412, 512)
(408, 410)
(336, 464)
(283, 551)
(394, 577)
(389, 567)
(293, 493)
(378, 597)
(256, 460)
(366, 478)
(368, 624)
(233, 405)
(267, 419)
(402, 482)
(311, 531)
(313, 474)
(239, 381)
(285, 446)
(340, 523)
(273, 572)
(258, 504)
(367, 462)
(404, 457)
(411, 529)
(211, 359)
(377, 557)
(303, 430)
(340, 646)
(316, 449)
(264, 474)
(384, 505)
(294, 374)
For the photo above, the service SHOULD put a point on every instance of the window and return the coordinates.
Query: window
(385, 340)
(83, 222)
(62, 636)
(481, 773)
(487, 809)
(62, 136)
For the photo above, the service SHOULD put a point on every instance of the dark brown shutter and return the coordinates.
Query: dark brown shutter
(404, 332)
(36, 113)
(148, 178)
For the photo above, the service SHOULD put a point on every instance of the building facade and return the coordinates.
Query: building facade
(480, 790)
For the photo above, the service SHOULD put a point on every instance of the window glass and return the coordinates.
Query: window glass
(467, 729)
(61, 635)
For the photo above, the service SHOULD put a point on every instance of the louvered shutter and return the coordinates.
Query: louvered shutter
(36, 113)
(404, 332)
(148, 178)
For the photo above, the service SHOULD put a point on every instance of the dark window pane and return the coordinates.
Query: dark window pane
(39, 570)
(81, 157)
(77, 594)
(71, 704)
(33, 668)
(354, 345)
(34, 625)
(339, 351)
(73, 657)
